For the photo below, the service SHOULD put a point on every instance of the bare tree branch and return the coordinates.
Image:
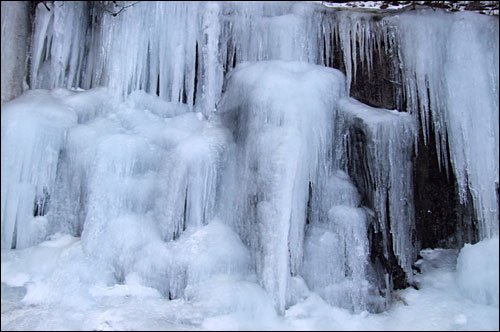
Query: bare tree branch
(121, 9)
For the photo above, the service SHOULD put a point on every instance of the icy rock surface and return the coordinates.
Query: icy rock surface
(378, 153)
(15, 36)
(284, 124)
(459, 89)
(429, 48)
(145, 178)
(448, 68)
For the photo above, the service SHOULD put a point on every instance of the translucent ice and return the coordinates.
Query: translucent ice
(281, 115)
(34, 129)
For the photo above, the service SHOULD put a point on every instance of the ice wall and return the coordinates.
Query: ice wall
(128, 177)
(274, 150)
(300, 213)
(57, 54)
(142, 51)
(428, 48)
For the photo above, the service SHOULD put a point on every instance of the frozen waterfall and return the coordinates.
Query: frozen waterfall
(209, 151)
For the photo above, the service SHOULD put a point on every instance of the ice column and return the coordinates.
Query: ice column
(282, 115)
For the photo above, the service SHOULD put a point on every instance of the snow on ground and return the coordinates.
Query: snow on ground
(362, 4)
(48, 287)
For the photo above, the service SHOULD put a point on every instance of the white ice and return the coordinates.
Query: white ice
(477, 272)
(282, 119)
(229, 200)
(36, 281)
(33, 133)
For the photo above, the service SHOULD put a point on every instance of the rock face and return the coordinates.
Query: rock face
(377, 88)
(441, 220)
(16, 29)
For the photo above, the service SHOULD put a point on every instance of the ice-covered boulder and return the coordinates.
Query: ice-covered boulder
(477, 271)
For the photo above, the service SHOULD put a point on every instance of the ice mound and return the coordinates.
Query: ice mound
(477, 271)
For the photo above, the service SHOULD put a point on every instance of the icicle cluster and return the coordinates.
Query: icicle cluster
(179, 51)
(450, 71)
(448, 66)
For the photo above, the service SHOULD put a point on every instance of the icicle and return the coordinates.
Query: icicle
(61, 33)
(189, 177)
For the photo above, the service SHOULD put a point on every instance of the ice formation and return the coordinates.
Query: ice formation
(477, 273)
(282, 119)
(38, 122)
(189, 66)
(457, 91)
(451, 100)
(205, 151)
(379, 150)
